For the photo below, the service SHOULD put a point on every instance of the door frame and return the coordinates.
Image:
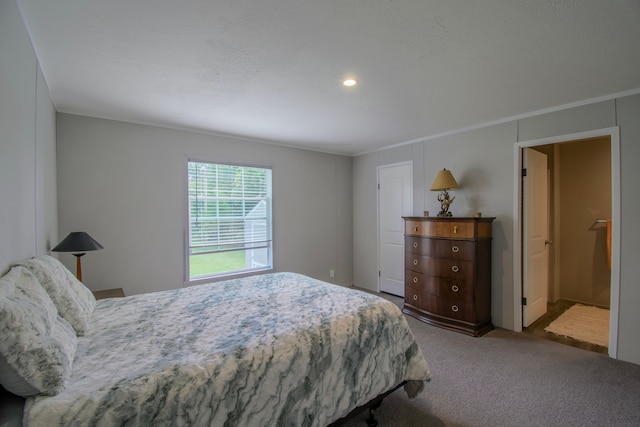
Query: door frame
(407, 163)
(614, 134)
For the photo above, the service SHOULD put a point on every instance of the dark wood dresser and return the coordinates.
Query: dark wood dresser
(447, 276)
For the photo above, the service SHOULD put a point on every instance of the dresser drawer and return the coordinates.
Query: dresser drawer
(455, 249)
(448, 229)
(454, 269)
(452, 229)
(452, 308)
(441, 248)
(446, 288)
(439, 286)
(414, 278)
(413, 296)
(415, 228)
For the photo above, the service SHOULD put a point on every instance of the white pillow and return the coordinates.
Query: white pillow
(74, 301)
(37, 345)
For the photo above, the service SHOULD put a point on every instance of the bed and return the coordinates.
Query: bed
(276, 349)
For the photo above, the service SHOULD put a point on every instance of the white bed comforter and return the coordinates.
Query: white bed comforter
(274, 350)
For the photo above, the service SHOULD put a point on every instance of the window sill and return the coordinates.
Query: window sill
(229, 276)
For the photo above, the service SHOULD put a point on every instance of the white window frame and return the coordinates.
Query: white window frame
(268, 243)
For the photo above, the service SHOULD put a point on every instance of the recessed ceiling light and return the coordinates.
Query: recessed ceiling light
(350, 82)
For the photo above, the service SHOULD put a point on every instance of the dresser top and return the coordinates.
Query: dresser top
(449, 218)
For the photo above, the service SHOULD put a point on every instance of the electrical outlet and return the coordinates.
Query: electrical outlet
(332, 273)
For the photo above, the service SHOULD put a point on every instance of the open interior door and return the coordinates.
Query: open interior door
(535, 263)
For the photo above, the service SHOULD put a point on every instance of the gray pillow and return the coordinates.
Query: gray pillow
(74, 301)
(37, 345)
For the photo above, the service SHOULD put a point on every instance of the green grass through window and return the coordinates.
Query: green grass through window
(216, 263)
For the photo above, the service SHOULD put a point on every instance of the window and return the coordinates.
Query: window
(229, 219)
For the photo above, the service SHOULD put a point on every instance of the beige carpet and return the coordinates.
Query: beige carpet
(583, 323)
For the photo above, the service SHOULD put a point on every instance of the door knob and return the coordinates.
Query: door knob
(548, 242)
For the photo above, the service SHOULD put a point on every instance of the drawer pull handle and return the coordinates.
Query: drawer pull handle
(415, 297)
(455, 288)
(455, 249)
(415, 280)
(455, 268)
(415, 228)
(415, 244)
(454, 308)
(415, 262)
(455, 229)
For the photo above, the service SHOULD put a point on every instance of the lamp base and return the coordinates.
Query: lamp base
(78, 265)
(445, 201)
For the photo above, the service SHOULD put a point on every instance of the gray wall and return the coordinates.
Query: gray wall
(482, 161)
(125, 185)
(28, 212)
(628, 117)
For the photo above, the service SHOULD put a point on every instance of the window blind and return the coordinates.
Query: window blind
(229, 207)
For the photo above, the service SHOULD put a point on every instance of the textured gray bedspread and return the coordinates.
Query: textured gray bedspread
(274, 350)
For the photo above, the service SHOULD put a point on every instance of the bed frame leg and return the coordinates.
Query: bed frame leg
(371, 421)
(372, 405)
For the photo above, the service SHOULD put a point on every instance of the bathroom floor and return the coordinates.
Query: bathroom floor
(555, 309)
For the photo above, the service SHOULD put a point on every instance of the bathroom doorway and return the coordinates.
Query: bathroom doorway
(583, 188)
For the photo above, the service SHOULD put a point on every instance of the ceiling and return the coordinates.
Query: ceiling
(271, 70)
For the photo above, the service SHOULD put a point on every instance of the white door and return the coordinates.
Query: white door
(535, 263)
(395, 200)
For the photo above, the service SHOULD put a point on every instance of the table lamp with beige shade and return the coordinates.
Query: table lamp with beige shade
(444, 181)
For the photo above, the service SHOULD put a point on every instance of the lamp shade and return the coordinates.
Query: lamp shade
(77, 242)
(444, 181)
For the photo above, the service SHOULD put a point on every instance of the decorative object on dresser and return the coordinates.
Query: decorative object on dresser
(444, 181)
(78, 243)
(448, 272)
